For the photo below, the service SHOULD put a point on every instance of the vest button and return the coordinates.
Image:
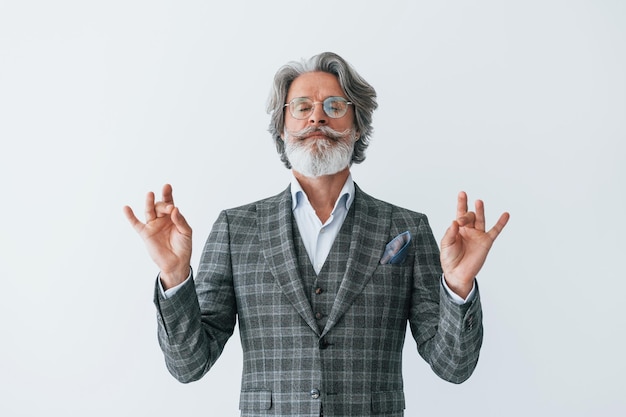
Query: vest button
(315, 394)
(318, 316)
(318, 291)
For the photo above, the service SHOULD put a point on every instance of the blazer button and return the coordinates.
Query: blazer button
(324, 344)
(315, 393)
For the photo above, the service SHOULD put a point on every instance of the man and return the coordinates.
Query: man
(322, 278)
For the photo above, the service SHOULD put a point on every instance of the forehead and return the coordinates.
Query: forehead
(315, 85)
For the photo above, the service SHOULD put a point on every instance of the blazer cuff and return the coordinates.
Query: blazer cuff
(176, 309)
(467, 316)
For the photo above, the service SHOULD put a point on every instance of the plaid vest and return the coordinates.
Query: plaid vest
(321, 289)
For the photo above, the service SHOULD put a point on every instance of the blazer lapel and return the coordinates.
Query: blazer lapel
(371, 228)
(276, 236)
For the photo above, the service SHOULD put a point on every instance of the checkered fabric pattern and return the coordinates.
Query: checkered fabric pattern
(348, 358)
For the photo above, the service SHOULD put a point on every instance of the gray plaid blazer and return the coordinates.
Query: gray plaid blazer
(249, 272)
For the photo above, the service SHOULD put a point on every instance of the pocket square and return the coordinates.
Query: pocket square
(397, 249)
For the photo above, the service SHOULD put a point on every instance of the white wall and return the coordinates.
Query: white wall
(522, 104)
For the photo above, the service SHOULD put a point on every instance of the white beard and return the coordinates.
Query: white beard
(318, 157)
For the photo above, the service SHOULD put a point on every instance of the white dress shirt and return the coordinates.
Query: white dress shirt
(318, 238)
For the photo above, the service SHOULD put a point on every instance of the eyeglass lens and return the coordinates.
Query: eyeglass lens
(334, 107)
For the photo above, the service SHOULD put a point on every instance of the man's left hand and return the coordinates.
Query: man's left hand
(465, 245)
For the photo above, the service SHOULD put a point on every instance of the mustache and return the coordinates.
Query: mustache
(325, 130)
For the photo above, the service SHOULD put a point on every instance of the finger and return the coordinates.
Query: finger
(461, 204)
(480, 215)
(150, 211)
(467, 219)
(163, 209)
(497, 228)
(168, 197)
(132, 219)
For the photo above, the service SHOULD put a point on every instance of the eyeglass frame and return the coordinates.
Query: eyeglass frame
(319, 102)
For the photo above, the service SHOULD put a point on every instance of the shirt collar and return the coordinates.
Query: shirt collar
(299, 197)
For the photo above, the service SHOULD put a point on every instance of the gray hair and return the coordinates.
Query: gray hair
(357, 90)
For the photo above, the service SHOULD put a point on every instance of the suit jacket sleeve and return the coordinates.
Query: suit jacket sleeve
(191, 334)
(448, 336)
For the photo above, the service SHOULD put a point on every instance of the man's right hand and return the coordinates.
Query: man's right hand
(167, 237)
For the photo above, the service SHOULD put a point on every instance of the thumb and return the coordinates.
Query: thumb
(449, 238)
(179, 221)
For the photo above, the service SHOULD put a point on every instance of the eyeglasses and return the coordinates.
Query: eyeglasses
(302, 107)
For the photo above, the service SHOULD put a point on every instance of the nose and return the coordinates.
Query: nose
(318, 117)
